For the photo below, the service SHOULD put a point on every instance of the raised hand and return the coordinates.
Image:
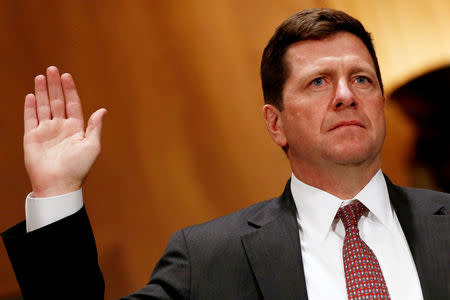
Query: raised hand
(58, 151)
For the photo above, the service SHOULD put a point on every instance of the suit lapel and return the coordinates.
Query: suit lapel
(273, 250)
(426, 228)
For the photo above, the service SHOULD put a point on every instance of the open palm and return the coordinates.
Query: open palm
(58, 151)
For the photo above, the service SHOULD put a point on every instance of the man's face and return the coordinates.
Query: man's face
(333, 108)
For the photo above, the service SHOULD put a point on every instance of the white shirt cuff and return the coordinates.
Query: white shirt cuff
(40, 212)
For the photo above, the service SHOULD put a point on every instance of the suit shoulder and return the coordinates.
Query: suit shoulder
(420, 193)
(425, 200)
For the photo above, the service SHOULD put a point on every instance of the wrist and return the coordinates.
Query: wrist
(54, 191)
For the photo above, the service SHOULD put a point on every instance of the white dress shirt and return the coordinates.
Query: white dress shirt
(322, 239)
(321, 236)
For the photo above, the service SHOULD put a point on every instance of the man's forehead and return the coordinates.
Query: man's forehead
(341, 48)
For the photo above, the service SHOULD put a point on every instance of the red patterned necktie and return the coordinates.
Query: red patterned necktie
(362, 270)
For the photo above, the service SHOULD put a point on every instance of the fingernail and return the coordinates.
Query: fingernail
(52, 69)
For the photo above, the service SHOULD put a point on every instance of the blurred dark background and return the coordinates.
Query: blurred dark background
(426, 100)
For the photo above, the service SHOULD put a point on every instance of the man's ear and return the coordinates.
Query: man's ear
(274, 124)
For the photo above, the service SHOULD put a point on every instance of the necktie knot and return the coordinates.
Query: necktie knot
(350, 214)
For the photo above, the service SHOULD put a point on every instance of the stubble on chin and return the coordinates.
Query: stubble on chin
(352, 152)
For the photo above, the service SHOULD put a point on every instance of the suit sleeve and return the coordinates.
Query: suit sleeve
(171, 277)
(58, 261)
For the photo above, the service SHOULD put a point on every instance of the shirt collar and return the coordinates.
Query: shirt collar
(316, 209)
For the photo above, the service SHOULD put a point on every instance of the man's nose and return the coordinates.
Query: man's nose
(344, 96)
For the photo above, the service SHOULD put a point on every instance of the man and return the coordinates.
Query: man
(339, 230)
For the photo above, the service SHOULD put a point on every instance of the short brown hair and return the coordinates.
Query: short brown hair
(310, 24)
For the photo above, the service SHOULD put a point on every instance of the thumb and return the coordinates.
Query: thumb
(94, 126)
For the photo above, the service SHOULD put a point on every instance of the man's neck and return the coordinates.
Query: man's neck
(341, 181)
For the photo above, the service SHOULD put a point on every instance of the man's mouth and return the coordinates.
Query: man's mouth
(347, 124)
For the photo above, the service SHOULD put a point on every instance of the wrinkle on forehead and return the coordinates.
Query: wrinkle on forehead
(327, 65)
(341, 51)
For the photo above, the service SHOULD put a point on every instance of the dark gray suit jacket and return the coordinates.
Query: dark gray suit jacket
(251, 254)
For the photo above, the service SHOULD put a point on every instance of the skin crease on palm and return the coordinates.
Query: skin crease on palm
(333, 117)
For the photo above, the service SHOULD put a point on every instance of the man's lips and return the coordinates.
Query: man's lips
(347, 123)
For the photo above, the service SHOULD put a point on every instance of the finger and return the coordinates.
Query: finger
(40, 90)
(73, 104)
(94, 126)
(29, 114)
(55, 92)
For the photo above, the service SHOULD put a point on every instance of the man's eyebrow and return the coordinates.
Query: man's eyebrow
(362, 67)
(316, 70)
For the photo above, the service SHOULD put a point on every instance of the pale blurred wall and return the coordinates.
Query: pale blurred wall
(184, 139)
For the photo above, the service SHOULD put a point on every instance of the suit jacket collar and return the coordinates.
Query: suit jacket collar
(425, 223)
(273, 249)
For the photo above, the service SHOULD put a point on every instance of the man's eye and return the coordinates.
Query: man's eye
(361, 80)
(318, 82)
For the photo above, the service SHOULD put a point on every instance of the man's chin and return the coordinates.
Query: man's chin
(351, 157)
